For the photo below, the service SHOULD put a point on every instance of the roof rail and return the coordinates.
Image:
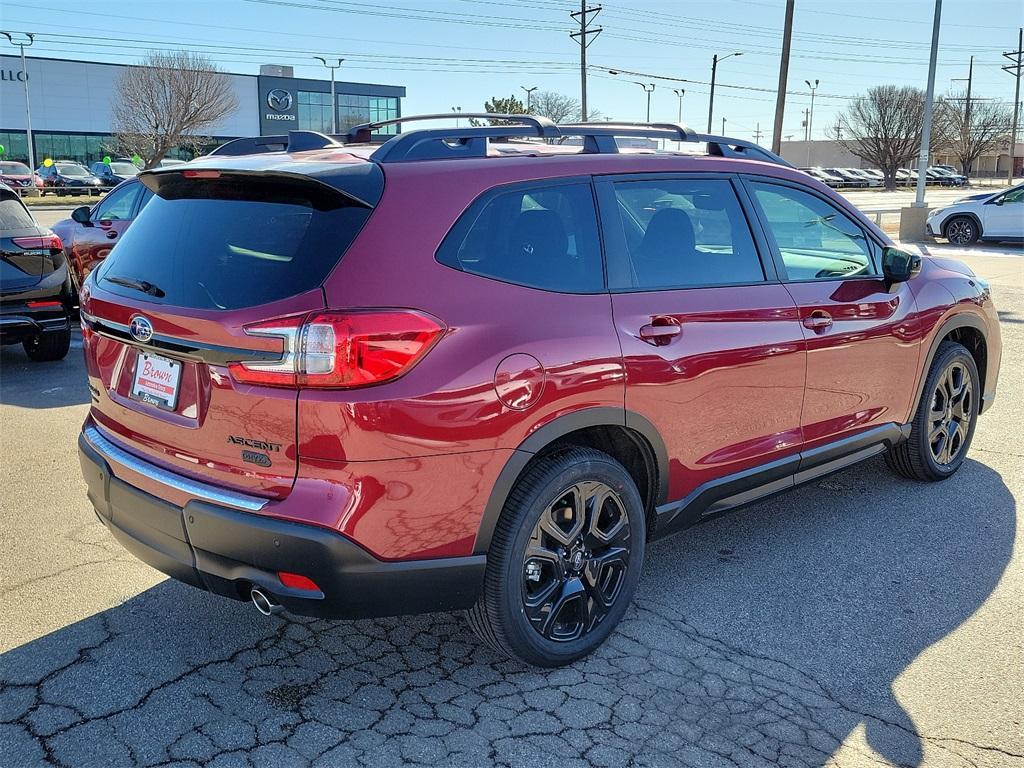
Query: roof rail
(723, 146)
(544, 128)
(445, 143)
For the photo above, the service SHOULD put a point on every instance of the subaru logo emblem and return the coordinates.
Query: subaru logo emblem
(279, 100)
(577, 560)
(141, 329)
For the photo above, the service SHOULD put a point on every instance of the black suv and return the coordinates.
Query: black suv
(113, 173)
(34, 284)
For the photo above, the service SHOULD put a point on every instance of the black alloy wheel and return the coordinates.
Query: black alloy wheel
(962, 230)
(951, 413)
(576, 562)
(943, 424)
(564, 560)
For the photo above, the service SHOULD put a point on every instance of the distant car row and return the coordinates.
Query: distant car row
(942, 175)
(67, 177)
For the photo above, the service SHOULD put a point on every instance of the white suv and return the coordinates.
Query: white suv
(986, 216)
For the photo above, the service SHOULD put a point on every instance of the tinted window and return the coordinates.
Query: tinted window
(124, 169)
(543, 237)
(13, 214)
(118, 205)
(228, 244)
(681, 234)
(816, 240)
(72, 170)
(14, 169)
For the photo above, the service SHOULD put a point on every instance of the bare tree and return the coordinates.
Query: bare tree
(988, 127)
(883, 127)
(169, 100)
(557, 107)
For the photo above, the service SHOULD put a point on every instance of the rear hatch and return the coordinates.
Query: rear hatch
(28, 253)
(212, 273)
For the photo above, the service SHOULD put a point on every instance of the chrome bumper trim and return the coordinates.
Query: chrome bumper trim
(185, 485)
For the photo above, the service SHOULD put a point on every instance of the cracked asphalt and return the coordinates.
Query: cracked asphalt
(859, 621)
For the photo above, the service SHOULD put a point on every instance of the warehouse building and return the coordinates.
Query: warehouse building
(71, 104)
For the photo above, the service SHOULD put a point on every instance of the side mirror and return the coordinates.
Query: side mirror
(899, 266)
(81, 215)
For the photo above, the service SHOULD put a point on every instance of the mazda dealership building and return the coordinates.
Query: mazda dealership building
(72, 104)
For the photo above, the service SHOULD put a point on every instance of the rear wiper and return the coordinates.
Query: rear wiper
(139, 285)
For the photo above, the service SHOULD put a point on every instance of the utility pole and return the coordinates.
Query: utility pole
(757, 134)
(723, 126)
(780, 97)
(967, 109)
(929, 99)
(1015, 69)
(28, 106)
(714, 70)
(528, 92)
(839, 131)
(585, 36)
(807, 134)
(334, 106)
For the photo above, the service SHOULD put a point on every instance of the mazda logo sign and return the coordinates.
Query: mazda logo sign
(141, 329)
(279, 100)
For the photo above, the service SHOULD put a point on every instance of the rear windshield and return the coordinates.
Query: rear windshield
(124, 169)
(72, 170)
(229, 244)
(13, 214)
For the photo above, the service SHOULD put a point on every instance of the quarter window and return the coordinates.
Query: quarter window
(542, 237)
(816, 240)
(684, 233)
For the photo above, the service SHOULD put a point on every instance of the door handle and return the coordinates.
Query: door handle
(819, 320)
(660, 334)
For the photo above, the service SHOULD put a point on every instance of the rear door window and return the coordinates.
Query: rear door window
(541, 237)
(234, 242)
(682, 233)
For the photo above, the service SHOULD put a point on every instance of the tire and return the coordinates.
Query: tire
(47, 347)
(603, 559)
(949, 399)
(962, 230)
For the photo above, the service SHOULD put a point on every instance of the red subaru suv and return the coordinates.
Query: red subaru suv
(481, 368)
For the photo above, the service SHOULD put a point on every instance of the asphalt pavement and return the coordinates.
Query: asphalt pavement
(863, 620)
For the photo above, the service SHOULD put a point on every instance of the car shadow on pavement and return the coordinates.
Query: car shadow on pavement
(762, 638)
(26, 384)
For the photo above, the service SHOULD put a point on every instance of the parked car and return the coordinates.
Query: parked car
(113, 173)
(851, 179)
(992, 216)
(876, 173)
(19, 177)
(825, 177)
(906, 177)
(956, 179)
(488, 386)
(939, 178)
(91, 233)
(869, 179)
(68, 178)
(170, 162)
(33, 283)
(950, 169)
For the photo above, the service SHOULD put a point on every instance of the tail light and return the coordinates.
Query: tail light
(340, 350)
(37, 243)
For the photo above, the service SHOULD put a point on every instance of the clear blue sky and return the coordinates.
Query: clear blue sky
(461, 52)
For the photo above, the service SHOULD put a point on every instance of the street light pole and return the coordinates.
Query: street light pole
(680, 92)
(28, 106)
(528, 92)
(649, 89)
(929, 96)
(457, 111)
(723, 126)
(810, 123)
(334, 106)
(714, 70)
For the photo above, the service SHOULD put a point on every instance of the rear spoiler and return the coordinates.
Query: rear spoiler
(245, 184)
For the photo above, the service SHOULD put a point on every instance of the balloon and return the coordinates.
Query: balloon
(47, 163)
(106, 159)
(136, 159)
(2, 149)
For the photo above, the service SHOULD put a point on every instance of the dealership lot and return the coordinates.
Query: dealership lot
(861, 620)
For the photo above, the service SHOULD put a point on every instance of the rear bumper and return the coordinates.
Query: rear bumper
(227, 551)
(21, 324)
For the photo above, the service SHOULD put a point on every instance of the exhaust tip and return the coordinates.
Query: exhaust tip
(264, 603)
